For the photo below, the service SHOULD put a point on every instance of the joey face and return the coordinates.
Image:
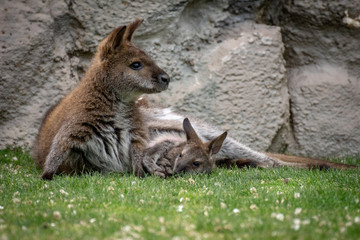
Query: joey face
(193, 159)
(127, 67)
(196, 156)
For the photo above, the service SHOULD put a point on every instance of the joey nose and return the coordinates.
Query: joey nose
(164, 79)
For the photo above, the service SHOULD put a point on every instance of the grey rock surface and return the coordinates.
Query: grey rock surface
(325, 111)
(227, 67)
(322, 55)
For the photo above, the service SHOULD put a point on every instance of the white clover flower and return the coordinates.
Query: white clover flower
(180, 208)
(57, 215)
(235, 210)
(296, 224)
(253, 207)
(297, 211)
(62, 191)
(278, 216)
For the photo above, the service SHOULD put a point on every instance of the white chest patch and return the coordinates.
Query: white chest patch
(110, 150)
(106, 153)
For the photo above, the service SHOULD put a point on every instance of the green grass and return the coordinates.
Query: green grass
(279, 203)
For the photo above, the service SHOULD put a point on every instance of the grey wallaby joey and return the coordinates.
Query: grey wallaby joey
(183, 154)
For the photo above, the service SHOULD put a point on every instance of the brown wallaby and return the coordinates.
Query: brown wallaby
(178, 153)
(163, 121)
(96, 126)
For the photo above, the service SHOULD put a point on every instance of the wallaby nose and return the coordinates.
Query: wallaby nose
(164, 78)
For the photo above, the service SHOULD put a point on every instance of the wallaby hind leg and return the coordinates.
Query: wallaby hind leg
(54, 159)
(309, 163)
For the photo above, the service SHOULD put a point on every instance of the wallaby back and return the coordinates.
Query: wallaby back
(92, 128)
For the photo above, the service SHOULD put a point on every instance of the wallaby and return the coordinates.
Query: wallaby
(96, 126)
(180, 153)
(162, 121)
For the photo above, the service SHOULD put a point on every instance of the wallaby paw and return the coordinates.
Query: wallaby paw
(159, 174)
(47, 176)
(169, 171)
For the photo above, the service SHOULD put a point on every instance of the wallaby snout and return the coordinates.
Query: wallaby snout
(162, 81)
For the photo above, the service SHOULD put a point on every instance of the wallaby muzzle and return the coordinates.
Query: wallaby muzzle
(163, 81)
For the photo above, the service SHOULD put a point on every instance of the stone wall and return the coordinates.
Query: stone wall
(225, 58)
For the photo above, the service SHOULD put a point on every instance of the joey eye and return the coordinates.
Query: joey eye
(180, 155)
(196, 163)
(136, 66)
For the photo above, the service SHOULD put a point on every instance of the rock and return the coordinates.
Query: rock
(322, 61)
(325, 111)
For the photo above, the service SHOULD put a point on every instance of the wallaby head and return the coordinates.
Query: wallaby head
(196, 156)
(128, 67)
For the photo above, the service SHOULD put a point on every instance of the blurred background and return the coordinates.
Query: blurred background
(281, 75)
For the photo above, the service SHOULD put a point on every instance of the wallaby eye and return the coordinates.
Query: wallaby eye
(180, 155)
(136, 66)
(196, 163)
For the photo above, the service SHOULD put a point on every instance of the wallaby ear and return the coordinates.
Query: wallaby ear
(111, 42)
(131, 28)
(189, 130)
(123, 34)
(117, 37)
(214, 145)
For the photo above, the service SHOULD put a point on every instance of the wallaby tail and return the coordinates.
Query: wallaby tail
(309, 163)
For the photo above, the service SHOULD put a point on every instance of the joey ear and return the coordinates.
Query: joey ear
(214, 145)
(189, 130)
(131, 28)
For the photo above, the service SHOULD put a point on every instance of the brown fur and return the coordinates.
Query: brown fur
(94, 125)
